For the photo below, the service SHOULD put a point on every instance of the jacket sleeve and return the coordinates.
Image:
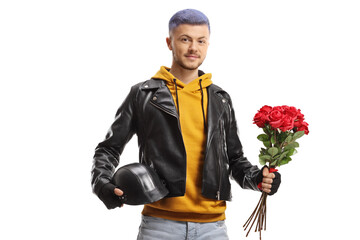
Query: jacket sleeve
(241, 170)
(107, 152)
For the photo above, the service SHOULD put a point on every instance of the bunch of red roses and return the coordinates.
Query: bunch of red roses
(282, 126)
(283, 117)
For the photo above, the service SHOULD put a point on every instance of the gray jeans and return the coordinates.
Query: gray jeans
(152, 228)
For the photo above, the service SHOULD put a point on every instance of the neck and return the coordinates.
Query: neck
(184, 75)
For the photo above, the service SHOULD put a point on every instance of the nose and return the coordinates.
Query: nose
(193, 47)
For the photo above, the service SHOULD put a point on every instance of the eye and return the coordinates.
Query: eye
(202, 42)
(184, 39)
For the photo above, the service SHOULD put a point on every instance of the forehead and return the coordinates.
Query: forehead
(194, 31)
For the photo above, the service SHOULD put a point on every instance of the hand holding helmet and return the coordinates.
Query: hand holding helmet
(111, 196)
(133, 184)
(139, 184)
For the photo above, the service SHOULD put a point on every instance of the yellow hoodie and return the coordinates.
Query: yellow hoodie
(192, 206)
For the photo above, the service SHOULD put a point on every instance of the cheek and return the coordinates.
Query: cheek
(177, 51)
(204, 49)
(180, 50)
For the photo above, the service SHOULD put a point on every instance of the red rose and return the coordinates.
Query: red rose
(297, 123)
(278, 108)
(260, 119)
(276, 117)
(299, 119)
(262, 116)
(304, 127)
(287, 123)
(290, 111)
(266, 109)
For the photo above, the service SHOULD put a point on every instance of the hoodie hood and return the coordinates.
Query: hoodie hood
(203, 81)
(186, 96)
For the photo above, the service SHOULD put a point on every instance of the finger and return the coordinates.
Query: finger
(266, 186)
(267, 190)
(118, 192)
(270, 176)
(267, 180)
(265, 171)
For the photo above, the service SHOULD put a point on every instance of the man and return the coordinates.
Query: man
(187, 132)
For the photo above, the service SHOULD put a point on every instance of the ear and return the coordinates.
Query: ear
(168, 42)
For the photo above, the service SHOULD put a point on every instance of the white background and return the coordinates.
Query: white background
(66, 66)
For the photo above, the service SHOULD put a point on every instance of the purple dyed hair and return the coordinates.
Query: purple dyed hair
(188, 16)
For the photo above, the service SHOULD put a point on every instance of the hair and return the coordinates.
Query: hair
(188, 16)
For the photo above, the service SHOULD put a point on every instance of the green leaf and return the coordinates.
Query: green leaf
(262, 162)
(291, 151)
(263, 151)
(288, 139)
(273, 139)
(267, 144)
(291, 145)
(298, 135)
(284, 161)
(273, 164)
(283, 155)
(265, 157)
(263, 137)
(273, 151)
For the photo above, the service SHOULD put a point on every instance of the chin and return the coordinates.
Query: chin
(189, 65)
(192, 66)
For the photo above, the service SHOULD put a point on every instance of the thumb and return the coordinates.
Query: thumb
(118, 192)
(265, 171)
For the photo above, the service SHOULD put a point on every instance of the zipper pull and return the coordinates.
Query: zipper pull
(218, 195)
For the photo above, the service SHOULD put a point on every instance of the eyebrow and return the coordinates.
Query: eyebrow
(185, 35)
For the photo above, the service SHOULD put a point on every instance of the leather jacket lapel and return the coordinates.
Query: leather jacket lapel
(162, 97)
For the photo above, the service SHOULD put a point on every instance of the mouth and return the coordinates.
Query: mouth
(192, 57)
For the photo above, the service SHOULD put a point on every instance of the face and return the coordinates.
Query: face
(189, 44)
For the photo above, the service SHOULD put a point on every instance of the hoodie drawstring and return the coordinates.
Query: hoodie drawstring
(177, 98)
(202, 105)
(202, 102)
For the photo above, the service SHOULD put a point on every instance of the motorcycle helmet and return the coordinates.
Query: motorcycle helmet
(140, 184)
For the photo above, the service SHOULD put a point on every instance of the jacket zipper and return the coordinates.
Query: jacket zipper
(219, 163)
(176, 116)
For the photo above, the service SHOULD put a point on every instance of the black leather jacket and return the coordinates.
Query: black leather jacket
(150, 112)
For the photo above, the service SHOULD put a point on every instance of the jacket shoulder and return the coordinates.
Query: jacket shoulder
(219, 91)
(148, 84)
(138, 85)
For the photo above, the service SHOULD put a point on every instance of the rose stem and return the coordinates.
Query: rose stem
(252, 215)
(258, 225)
(250, 219)
(256, 216)
(261, 216)
(265, 218)
(252, 223)
(258, 221)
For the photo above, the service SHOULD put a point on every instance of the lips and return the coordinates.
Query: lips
(192, 56)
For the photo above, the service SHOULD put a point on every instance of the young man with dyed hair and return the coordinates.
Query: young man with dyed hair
(187, 132)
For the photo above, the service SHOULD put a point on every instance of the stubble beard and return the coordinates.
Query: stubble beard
(184, 66)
